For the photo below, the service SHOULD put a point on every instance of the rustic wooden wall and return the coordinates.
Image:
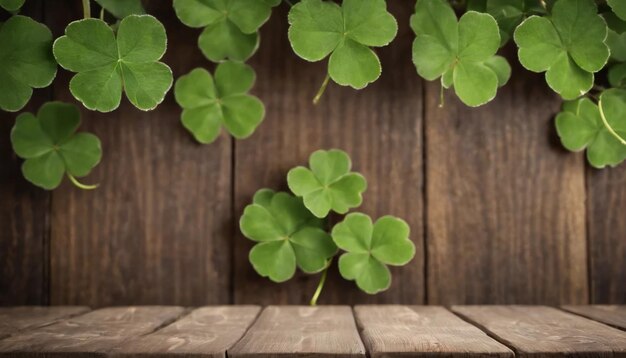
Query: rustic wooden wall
(499, 212)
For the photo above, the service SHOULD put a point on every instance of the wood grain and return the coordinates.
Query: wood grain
(409, 331)
(205, 332)
(92, 334)
(159, 227)
(505, 203)
(301, 331)
(17, 318)
(542, 332)
(612, 315)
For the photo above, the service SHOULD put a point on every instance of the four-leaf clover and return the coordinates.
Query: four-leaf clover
(208, 103)
(461, 53)
(26, 61)
(51, 147)
(106, 65)
(568, 45)
(369, 248)
(287, 235)
(329, 184)
(321, 28)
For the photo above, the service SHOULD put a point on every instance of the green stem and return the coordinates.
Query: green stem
(79, 184)
(289, 3)
(320, 285)
(86, 9)
(608, 126)
(441, 99)
(102, 14)
(320, 92)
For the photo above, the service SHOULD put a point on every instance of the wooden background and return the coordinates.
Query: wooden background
(499, 211)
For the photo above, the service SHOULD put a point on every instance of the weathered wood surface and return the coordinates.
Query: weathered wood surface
(91, 334)
(610, 314)
(205, 332)
(15, 319)
(301, 331)
(540, 331)
(407, 331)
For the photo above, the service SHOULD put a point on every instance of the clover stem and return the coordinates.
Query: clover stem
(320, 285)
(320, 92)
(442, 102)
(289, 3)
(102, 14)
(608, 126)
(79, 184)
(86, 9)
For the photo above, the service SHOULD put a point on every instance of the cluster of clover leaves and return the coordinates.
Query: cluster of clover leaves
(291, 229)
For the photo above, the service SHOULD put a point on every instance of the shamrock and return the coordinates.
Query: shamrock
(580, 125)
(51, 147)
(461, 53)
(329, 184)
(288, 236)
(508, 13)
(568, 45)
(26, 61)
(321, 28)
(105, 65)
(208, 103)
(230, 26)
(618, 7)
(122, 8)
(369, 248)
(11, 5)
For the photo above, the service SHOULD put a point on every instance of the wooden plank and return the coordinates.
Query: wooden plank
(14, 319)
(205, 332)
(408, 331)
(498, 183)
(612, 315)
(540, 331)
(606, 198)
(89, 335)
(379, 126)
(159, 228)
(301, 331)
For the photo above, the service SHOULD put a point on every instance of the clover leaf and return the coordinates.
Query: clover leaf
(461, 53)
(107, 65)
(209, 103)
(568, 45)
(287, 235)
(11, 5)
(618, 7)
(26, 61)
(230, 26)
(617, 75)
(329, 184)
(508, 13)
(321, 28)
(369, 248)
(51, 148)
(122, 8)
(580, 126)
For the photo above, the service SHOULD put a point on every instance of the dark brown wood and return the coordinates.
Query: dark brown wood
(381, 129)
(607, 230)
(92, 334)
(15, 319)
(427, 331)
(301, 331)
(159, 227)
(505, 203)
(610, 314)
(205, 332)
(542, 332)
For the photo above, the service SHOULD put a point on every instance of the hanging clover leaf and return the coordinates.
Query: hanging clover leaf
(321, 28)
(51, 148)
(287, 235)
(11, 5)
(210, 103)
(329, 184)
(462, 54)
(230, 26)
(26, 61)
(106, 65)
(122, 8)
(369, 248)
(618, 7)
(568, 45)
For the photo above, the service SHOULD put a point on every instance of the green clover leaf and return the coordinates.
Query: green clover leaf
(461, 53)
(321, 28)
(618, 7)
(26, 61)
(617, 75)
(122, 8)
(11, 5)
(508, 13)
(287, 235)
(569, 46)
(369, 248)
(107, 65)
(230, 26)
(329, 184)
(580, 126)
(209, 103)
(51, 148)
